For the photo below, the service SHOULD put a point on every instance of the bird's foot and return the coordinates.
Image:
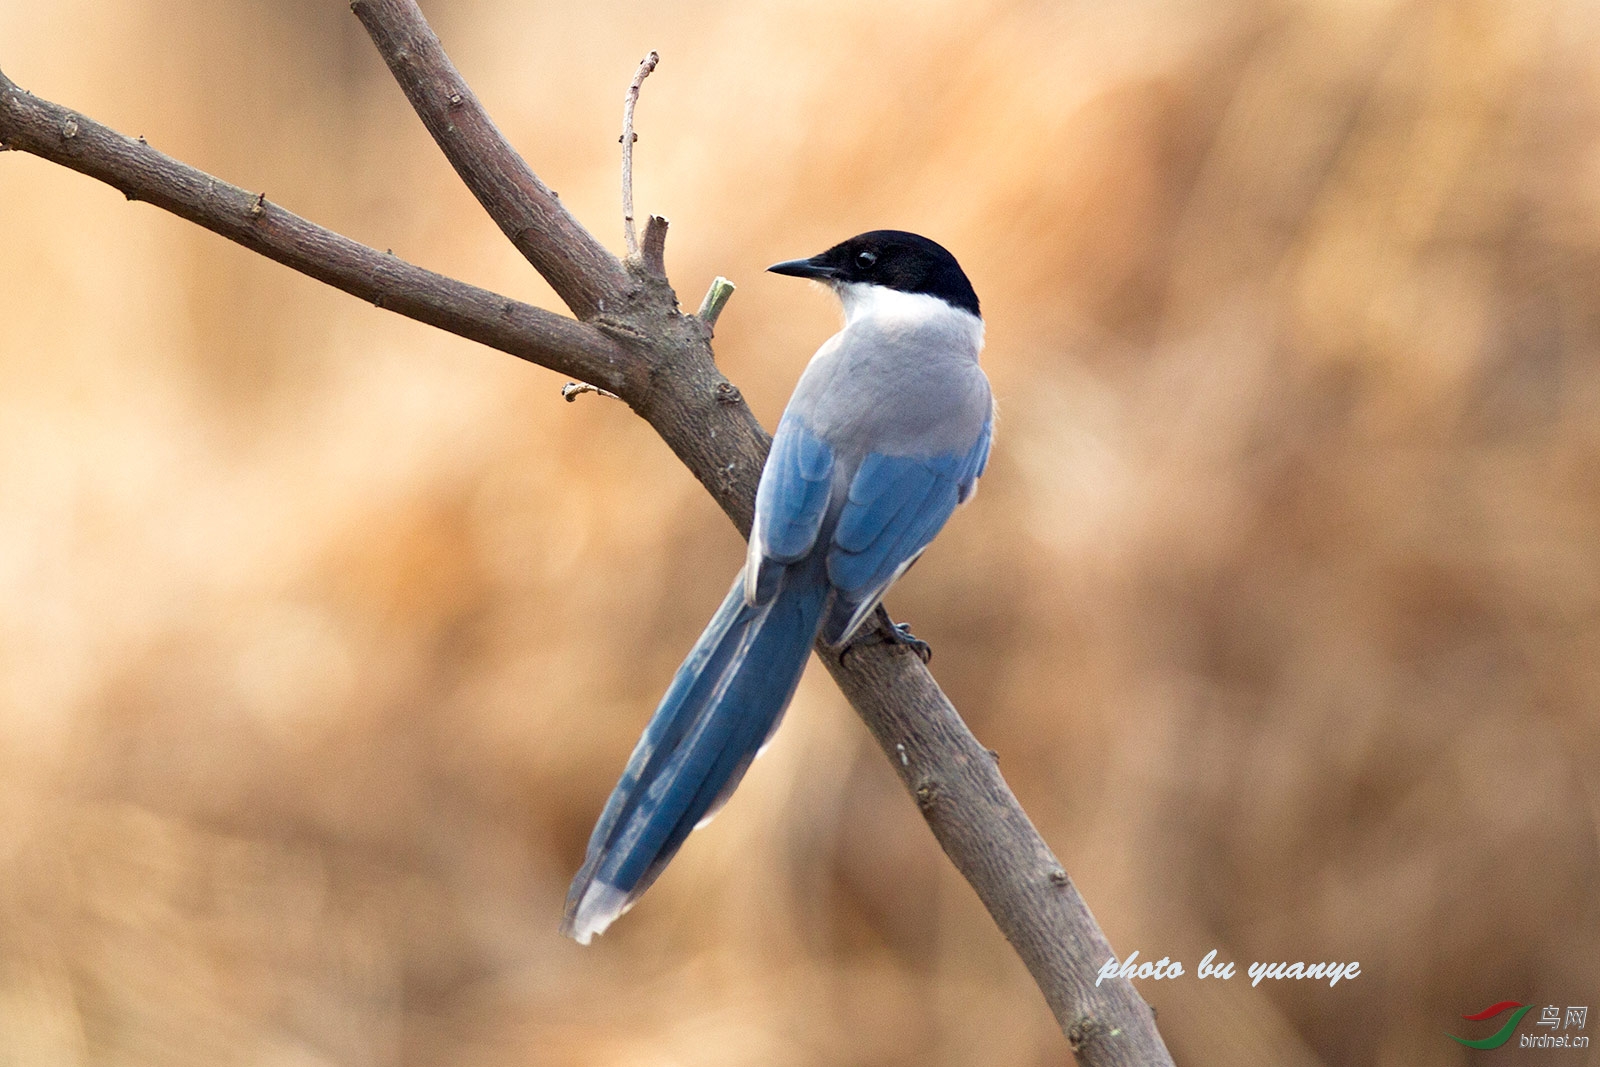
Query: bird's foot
(894, 633)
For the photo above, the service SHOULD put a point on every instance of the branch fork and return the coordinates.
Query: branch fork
(629, 340)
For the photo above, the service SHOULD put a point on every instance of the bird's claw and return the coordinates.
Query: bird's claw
(900, 634)
(896, 633)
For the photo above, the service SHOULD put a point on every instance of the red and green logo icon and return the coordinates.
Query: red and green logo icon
(1502, 1035)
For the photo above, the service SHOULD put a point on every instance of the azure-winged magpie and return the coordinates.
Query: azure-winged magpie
(887, 431)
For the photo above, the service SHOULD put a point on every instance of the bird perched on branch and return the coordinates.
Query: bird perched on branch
(887, 432)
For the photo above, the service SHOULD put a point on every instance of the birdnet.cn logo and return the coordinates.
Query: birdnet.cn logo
(1559, 1027)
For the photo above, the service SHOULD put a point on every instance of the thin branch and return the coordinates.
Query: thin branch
(716, 299)
(37, 126)
(577, 266)
(629, 102)
(664, 369)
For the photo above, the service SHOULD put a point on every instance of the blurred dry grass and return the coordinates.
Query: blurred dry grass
(323, 636)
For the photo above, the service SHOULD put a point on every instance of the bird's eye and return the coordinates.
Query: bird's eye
(866, 259)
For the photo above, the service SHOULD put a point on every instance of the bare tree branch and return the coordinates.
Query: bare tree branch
(957, 784)
(142, 173)
(660, 362)
(629, 102)
(578, 267)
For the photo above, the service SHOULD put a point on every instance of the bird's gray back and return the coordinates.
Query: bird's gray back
(897, 388)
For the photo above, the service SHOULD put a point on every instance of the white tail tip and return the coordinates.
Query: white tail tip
(598, 909)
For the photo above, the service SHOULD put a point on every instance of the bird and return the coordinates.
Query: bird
(887, 432)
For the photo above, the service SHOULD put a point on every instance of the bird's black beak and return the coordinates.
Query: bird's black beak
(806, 268)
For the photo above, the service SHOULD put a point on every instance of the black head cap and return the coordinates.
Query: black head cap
(894, 259)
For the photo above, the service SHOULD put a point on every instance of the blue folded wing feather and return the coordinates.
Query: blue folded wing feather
(895, 507)
(885, 489)
(793, 495)
(791, 501)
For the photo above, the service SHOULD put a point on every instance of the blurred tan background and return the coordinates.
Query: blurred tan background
(324, 635)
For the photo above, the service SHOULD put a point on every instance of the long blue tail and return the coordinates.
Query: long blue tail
(723, 704)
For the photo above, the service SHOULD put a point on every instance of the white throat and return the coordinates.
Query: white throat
(893, 308)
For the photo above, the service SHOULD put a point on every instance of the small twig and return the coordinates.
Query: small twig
(573, 390)
(646, 65)
(716, 299)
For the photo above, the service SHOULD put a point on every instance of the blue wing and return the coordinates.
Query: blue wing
(896, 505)
(790, 504)
(979, 459)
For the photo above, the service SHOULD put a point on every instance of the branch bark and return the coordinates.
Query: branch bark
(638, 345)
